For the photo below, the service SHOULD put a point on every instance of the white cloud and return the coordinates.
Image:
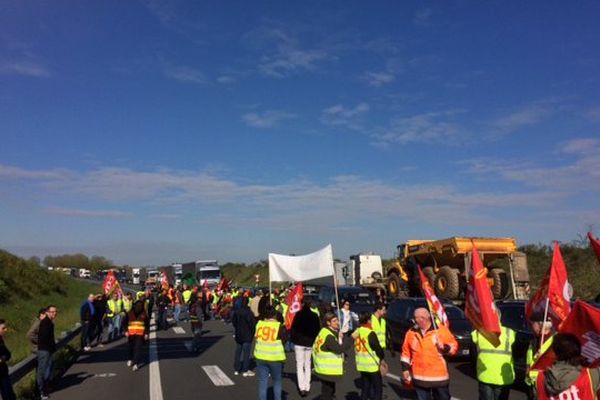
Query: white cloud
(165, 216)
(24, 68)
(339, 115)
(185, 74)
(11, 172)
(429, 127)
(266, 119)
(529, 114)
(379, 78)
(74, 212)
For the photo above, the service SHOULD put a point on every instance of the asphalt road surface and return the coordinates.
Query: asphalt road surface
(171, 372)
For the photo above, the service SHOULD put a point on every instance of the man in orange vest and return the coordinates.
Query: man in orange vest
(422, 358)
(137, 333)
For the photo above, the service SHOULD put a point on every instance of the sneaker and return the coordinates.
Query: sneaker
(236, 373)
(129, 363)
(44, 397)
(135, 367)
(248, 373)
(87, 348)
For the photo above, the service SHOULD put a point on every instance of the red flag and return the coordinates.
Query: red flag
(164, 280)
(435, 305)
(223, 284)
(111, 284)
(205, 284)
(294, 302)
(595, 245)
(554, 290)
(479, 304)
(584, 322)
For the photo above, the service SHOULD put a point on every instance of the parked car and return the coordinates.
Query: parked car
(513, 317)
(400, 315)
(361, 300)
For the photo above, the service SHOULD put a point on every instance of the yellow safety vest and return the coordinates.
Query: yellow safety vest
(268, 347)
(114, 306)
(187, 294)
(532, 375)
(495, 365)
(316, 311)
(366, 359)
(379, 328)
(127, 304)
(326, 362)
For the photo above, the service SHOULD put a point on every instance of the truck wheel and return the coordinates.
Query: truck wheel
(428, 272)
(393, 284)
(500, 284)
(447, 283)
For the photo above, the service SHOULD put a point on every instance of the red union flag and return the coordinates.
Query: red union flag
(223, 284)
(164, 280)
(554, 289)
(434, 304)
(479, 304)
(111, 284)
(584, 322)
(294, 302)
(595, 245)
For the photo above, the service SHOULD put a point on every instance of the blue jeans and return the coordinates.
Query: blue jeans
(176, 312)
(439, 393)
(114, 328)
(263, 368)
(44, 369)
(241, 363)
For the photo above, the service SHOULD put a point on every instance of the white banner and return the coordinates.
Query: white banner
(301, 268)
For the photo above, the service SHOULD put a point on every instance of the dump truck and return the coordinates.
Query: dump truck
(446, 265)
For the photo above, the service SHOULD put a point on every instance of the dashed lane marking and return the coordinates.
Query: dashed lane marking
(217, 376)
(155, 385)
(178, 330)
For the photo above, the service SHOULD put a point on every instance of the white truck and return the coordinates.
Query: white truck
(177, 273)
(85, 273)
(364, 269)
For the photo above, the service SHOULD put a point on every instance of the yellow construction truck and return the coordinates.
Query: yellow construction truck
(446, 265)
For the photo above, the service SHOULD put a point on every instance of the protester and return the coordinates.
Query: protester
(177, 302)
(244, 325)
(254, 303)
(422, 361)
(162, 303)
(33, 332)
(378, 324)
(269, 353)
(348, 319)
(195, 314)
(263, 303)
(567, 378)
(127, 306)
(303, 332)
(540, 327)
(495, 365)
(98, 320)
(137, 333)
(46, 348)
(368, 356)
(114, 307)
(86, 314)
(6, 390)
(328, 355)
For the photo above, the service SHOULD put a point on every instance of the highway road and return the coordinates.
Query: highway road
(173, 372)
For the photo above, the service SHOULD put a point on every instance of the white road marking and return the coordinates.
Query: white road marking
(155, 384)
(217, 376)
(104, 375)
(179, 330)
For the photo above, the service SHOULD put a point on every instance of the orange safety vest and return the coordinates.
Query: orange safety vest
(581, 389)
(421, 353)
(136, 326)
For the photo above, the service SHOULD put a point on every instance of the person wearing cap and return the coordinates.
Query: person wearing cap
(328, 355)
(495, 365)
(540, 327)
(567, 378)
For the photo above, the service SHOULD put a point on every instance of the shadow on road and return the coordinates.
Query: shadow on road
(402, 392)
(70, 380)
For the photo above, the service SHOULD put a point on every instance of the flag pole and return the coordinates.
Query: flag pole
(544, 322)
(337, 299)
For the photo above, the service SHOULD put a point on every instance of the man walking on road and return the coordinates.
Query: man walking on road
(495, 371)
(423, 357)
(304, 331)
(269, 353)
(137, 333)
(244, 326)
(46, 348)
(86, 314)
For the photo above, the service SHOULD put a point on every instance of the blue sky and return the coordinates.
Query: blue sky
(160, 131)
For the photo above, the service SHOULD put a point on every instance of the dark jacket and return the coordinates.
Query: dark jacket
(46, 340)
(305, 328)
(87, 311)
(4, 357)
(561, 375)
(244, 324)
(99, 309)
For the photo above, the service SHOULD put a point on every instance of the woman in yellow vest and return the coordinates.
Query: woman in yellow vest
(328, 355)
(137, 333)
(368, 355)
(269, 353)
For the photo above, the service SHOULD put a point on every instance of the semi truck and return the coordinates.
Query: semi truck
(446, 265)
(202, 271)
(135, 275)
(177, 269)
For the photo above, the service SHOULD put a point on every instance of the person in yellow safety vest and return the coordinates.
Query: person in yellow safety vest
(127, 305)
(114, 307)
(379, 324)
(567, 378)
(534, 351)
(328, 355)
(269, 354)
(495, 365)
(137, 333)
(187, 294)
(368, 356)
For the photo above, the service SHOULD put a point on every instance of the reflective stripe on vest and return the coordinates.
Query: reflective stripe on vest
(136, 328)
(366, 359)
(268, 347)
(495, 364)
(326, 362)
(379, 328)
(530, 359)
(316, 311)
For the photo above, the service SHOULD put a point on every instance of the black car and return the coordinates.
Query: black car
(400, 315)
(361, 300)
(512, 315)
